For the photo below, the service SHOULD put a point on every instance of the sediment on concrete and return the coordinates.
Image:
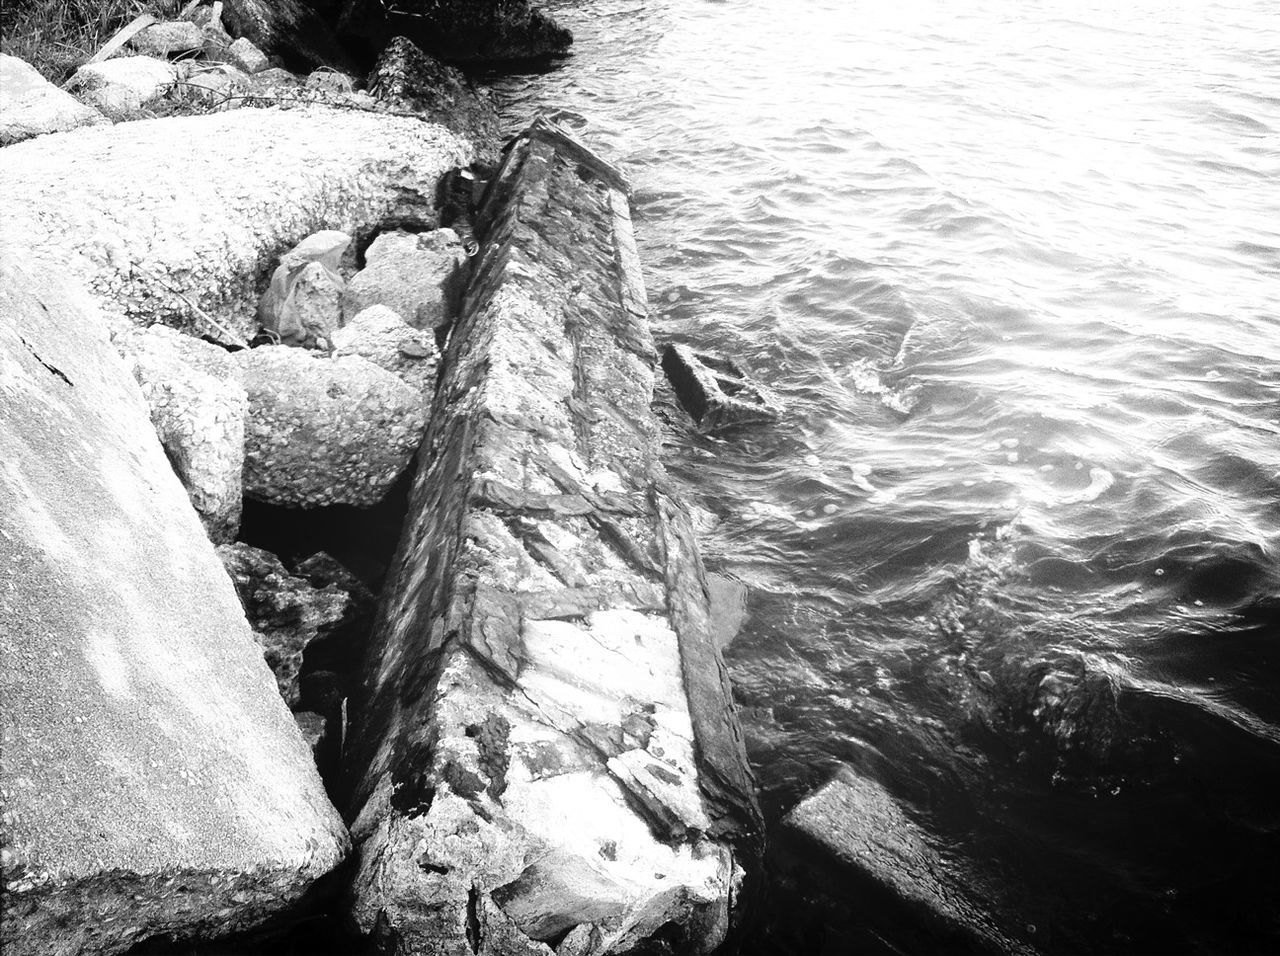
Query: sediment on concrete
(545, 745)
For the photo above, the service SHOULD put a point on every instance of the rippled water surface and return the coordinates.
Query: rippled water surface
(1014, 268)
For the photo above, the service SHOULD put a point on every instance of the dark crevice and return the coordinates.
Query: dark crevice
(55, 370)
(473, 918)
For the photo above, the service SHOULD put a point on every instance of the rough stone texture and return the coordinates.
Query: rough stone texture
(285, 612)
(864, 830)
(30, 105)
(456, 30)
(289, 29)
(716, 391)
(198, 407)
(124, 87)
(544, 738)
(407, 78)
(415, 274)
(303, 303)
(168, 38)
(332, 81)
(381, 336)
(152, 781)
(247, 57)
(164, 213)
(324, 432)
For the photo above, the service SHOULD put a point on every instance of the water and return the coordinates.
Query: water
(1014, 267)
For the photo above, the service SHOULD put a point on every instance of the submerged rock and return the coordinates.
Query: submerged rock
(415, 274)
(124, 87)
(716, 391)
(198, 406)
(30, 105)
(545, 744)
(153, 783)
(323, 432)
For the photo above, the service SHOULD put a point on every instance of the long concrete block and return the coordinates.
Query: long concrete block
(546, 747)
(152, 782)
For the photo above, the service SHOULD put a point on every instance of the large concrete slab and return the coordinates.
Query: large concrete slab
(546, 747)
(151, 780)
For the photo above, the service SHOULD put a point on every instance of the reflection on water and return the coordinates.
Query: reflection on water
(1015, 267)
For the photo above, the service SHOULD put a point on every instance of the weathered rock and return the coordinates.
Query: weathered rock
(545, 738)
(285, 612)
(415, 274)
(213, 83)
(247, 57)
(331, 81)
(716, 391)
(168, 37)
(407, 78)
(381, 336)
(289, 29)
(152, 781)
(303, 304)
(198, 407)
(124, 87)
(30, 105)
(456, 30)
(166, 213)
(325, 432)
(865, 831)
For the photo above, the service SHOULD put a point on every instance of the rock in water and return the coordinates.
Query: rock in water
(198, 407)
(152, 780)
(164, 214)
(716, 391)
(324, 432)
(545, 739)
(416, 274)
(30, 105)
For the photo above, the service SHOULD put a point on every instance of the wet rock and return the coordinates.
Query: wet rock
(407, 78)
(123, 88)
(457, 30)
(289, 29)
(198, 407)
(381, 336)
(285, 612)
(198, 227)
(168, 38)
(152, 781)
(415, 274)
(247, 57)
(866, 833)
(30, 105)
(544, 738)
(716, 391)
(323, 432)
(303, 304)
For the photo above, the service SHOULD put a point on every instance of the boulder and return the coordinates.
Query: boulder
(168, 38)
(415, 274)
(30, 105)
(152, 781)
(122, 88)
(303, 304)
(285, 612)
(324, 432)
(165, 215)
(406, 78)
(473, 31)
(381, 336)
(716, 391)
(288, 29)
(544, 740)
(243, 54)
(198, 407)
(331, 81)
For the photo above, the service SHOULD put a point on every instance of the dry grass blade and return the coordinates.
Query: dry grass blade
(123, 36)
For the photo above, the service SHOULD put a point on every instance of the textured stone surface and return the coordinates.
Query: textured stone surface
(415, 274)
(247, 57)
(325, 431)
(198, 407)
(30, 105)
(456, 30)
(199, 208)
(152, 780)
(289, 29)
(167, 38)
(716, 391)
(545, 739)
(123, 87)
(381, 336)
(303, 303)
(285, 612)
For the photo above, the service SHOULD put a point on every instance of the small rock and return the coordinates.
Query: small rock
(716, 391)
(330, 80)
(416, 274)
(275, 78)
(213, 82)
(248, 57)
(285, 612)
(381, 336)
(313, 728)
(123, 87)
(30, 105)
(198, 407)
(168, 38)
(325, 432)
(303, 304)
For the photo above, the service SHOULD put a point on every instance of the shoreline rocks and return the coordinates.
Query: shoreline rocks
(32, 106)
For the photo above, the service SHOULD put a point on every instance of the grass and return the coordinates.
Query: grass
(56, 36)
